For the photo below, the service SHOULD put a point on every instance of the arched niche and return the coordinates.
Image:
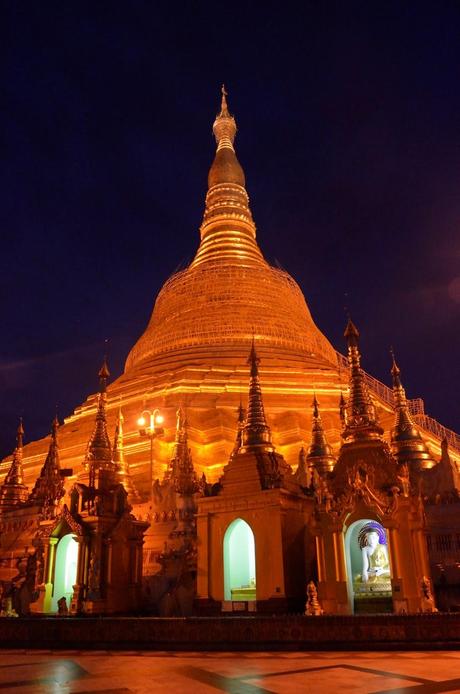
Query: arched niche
(239, 562)
(368, 567)
(65, 570)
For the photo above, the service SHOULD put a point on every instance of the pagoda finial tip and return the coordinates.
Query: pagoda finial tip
(395, 370)
(104, 370)
(223, 104)
(315, 405)
(393, 357)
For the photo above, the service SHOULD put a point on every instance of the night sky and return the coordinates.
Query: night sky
(349, 134)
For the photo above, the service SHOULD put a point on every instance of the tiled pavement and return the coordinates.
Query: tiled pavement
(111, 672)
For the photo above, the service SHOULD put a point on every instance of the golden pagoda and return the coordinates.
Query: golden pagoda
(193, 354)
(344, 486)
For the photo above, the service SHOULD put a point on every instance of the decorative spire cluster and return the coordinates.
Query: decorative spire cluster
(228, 231)
(49, 486)
(180, 470)
(257, 452)
(13, 491)
(406, 443)
(256, 432)
(320, 456)
(359, 413)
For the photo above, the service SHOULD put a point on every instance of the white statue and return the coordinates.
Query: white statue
(375, 557)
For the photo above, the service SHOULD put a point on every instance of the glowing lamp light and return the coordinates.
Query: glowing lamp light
(141, 421)
(159, 419)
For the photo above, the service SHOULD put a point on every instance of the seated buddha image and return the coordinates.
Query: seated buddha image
(375, 573)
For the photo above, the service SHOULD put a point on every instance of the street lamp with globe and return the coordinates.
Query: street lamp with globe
(149, 424)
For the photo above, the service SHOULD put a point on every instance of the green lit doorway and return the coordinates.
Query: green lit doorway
(239, 562)
(65, 571)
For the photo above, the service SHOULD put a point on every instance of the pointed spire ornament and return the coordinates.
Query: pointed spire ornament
(99, 445)
(224, 129)
(13, 491)
(320, 456)
(49, 486)
(239, 432)
(98, 457)
(228, 232)
(342, 406)
(406, 442)
(256, 432)
(360, 416)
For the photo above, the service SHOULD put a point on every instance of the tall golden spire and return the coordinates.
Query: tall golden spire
(13, 490)
(256, 432)
(228, 231)
(360, 415)
(406, 443)
(49, 486)
(320, 456)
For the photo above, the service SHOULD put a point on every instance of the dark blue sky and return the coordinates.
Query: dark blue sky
(349, 133)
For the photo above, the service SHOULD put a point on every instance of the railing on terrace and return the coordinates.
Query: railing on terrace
(416, 408)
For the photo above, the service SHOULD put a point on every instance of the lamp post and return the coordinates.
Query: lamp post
(149, 424)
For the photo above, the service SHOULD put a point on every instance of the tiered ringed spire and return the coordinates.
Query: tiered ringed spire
(99, 448)
(228, 231)
(406, 441)
(256, 432)
(320, 456)
(13, 490)
(360, 415)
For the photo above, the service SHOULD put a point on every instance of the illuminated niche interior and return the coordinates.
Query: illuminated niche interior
(368, 563)
(239, 562)
(65, 572)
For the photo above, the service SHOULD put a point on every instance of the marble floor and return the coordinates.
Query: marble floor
(112, 672)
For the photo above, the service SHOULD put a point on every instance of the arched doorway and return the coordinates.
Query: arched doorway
(239, 562)
(65, 570)
(368, 567)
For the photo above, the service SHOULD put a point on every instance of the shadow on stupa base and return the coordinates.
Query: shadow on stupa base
(237, 633)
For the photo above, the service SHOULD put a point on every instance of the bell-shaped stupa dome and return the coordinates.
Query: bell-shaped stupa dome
(229, 292)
